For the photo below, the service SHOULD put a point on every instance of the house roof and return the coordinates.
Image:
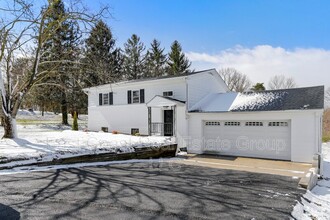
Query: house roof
(172, 99)
(269, 100)
(161, 101)
(167, 77)
(153, 78)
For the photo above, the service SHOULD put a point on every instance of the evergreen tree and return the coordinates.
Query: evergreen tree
(258, 87)
(177, 61)
(102, 60)
(77, 99)
(134, 58)
(155, 60)
(59, 52)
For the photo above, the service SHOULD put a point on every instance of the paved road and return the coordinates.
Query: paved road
(146, 191)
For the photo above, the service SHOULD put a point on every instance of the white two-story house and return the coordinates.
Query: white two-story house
(200, 112)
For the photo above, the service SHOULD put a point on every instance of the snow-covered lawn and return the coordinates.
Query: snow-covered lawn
(315, 204)
(47, 142)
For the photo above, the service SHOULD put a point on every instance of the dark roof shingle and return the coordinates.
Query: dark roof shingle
(288, 99)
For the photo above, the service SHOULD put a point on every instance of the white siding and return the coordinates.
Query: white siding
(304, 129)
(305, 125)
(200, 85)
(157, 115)
(151, 89)
(122, 116)
(181, 126)
(119, 118)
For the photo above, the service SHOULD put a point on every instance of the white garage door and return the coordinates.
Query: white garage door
(262, 139)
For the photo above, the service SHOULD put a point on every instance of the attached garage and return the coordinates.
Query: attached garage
(277, 124)
(262, 139)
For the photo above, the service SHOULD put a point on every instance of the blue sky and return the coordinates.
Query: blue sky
(260, 38)
(213, 25)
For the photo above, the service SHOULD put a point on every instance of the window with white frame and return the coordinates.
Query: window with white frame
(105, 98)
(232, 123)
(168, 93)
(278, 124)
(136, 96)
(254, 123)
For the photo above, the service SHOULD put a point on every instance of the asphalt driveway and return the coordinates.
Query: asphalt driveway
(147, 191)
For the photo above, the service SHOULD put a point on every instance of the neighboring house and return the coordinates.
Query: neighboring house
(198, 110)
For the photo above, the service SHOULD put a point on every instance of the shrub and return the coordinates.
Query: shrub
(115, 132)
(75, 122)
(326, 138)
(137, 134)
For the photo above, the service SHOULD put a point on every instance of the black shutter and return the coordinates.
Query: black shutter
(129, 96)
(141, 95)
(110, 98)
(100, 98)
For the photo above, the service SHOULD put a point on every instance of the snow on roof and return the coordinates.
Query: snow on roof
(269, 100)
(232, 101)
(215, 102)
(249, 101)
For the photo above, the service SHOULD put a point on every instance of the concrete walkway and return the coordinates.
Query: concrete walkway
(276, 167)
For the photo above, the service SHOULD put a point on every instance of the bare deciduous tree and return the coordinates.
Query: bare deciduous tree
(23, 27)
(281, 82)
(235, 80)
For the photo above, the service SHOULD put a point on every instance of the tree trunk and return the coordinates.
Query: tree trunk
(64, 109)
(43, 110)
(9, 125)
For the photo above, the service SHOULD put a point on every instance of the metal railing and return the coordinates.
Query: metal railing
(162, 129)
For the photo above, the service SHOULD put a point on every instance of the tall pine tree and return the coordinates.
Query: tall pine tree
(134, 58)
(102, 60)
(177, 62)
(155, 60)
(59, 52)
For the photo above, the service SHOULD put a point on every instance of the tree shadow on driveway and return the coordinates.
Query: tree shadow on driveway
(152, 191)
(8, 213)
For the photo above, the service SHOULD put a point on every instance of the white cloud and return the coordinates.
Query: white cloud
(309, 67)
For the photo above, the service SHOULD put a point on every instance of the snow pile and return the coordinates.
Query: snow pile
(256, 101)
(34, 146)
(315, 204)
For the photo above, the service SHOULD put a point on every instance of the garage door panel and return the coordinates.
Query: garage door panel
(251, 141)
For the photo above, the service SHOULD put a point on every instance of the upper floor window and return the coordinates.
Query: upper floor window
(106, 98)
(168, 93)
(135, 96)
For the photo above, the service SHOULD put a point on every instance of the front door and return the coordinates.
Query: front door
(168, 122)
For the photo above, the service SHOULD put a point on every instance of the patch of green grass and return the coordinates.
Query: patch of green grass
(326, 138)
(28, 121)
